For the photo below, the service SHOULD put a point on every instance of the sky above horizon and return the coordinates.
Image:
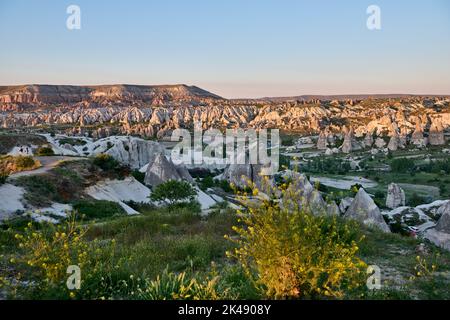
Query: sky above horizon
(234, 48)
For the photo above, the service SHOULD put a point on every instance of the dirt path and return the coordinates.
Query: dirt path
(48, 163)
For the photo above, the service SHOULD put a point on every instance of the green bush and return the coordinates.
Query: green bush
(206, 182)
(173, 191)
(45, 151)
(3, 177)
(225, 186)
(139, 176)
(24, 162)
(106, 162)
(111, 166)
(72, 141)
(41, 190)
(97, 209)
(355, 188)
(47, 251)
(403, 165)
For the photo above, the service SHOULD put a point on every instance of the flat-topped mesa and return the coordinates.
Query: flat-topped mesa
(56, 94)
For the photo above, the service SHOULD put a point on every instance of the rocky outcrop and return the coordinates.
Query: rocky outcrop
(134, 152)
(151, 111)
(350, 144)
(443, 224)
(417, 137)
(380, 143)
(162, 170)
(333, 209)
(243, 175)
(322, 142)
(364, 209)
(66, 94)
(395, 196)
(344, 204)
(368, 140)
(240, 175)
(393, 143)
(120, 191)
(436, 136)
(301, 195)
(440, 235)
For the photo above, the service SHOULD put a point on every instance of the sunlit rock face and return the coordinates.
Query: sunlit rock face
(436, 136)
(350, 144)
(155, 111)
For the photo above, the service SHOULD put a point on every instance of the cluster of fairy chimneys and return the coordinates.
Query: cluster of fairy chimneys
(398, 138)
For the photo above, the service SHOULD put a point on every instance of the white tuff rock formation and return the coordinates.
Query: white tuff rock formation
(322, 142)
(443, 224)
(345, 203)
(162, 170)
(440, 235)
(364, 209)
(350, 144)
(417, 137)
(395, 196)
(135, 152)
(302, 195)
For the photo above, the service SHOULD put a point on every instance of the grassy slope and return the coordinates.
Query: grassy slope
(9, 141)
(396, 255)
(181, 240)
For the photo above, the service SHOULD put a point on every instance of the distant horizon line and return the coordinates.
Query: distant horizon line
(242, 98)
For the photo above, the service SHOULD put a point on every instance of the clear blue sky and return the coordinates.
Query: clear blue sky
(235, 48)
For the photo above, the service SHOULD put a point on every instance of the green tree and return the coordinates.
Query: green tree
(106, 162)
(45, 151)
(173, 191)
(403, 165)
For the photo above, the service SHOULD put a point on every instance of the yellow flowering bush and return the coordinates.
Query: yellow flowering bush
(424, 268)
(52, 251)
(293, 254)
